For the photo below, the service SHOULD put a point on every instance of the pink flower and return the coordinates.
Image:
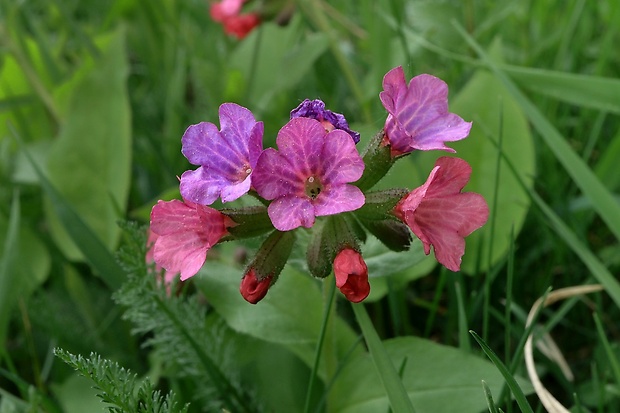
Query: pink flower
(351, 275)
(440, 214)
(220, 11)
(418, 114)
(152, 238)
(228, 12)
(226, 157)
(252, 289)
(184, 234)
(308, 176)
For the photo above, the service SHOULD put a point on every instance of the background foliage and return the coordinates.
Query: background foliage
(94, 97)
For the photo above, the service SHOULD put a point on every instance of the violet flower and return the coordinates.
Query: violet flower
(226, 158)
(308, 175)
(440, 214)
(418, 114)
(184, 232)
(315, 109)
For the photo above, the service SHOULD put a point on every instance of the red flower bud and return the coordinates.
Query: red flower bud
(253, 289)
(351, 275)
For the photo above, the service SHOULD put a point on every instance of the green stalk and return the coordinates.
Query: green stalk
(329, 301)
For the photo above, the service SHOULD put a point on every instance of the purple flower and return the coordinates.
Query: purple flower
(308, 175)
(418, 114)
(226, 158)
(315, 109)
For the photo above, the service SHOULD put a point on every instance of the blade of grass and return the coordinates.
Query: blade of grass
(489, 397)
(510, 380)
(96, 253)
(396, 392)
(602, 200)
(462, 317)
(611, 356)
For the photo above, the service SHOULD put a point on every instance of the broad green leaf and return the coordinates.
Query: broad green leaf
(438, 379)
(290, 314)
(486, 102)
(581, 90)
(273, 59)
(90, 162)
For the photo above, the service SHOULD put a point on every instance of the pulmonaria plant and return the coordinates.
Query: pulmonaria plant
(317, 181)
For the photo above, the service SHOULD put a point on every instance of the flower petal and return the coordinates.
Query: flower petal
(340, 159)
(186, 231)
(338, 198)
(290, 212)
(445, 222)
(300, 141)
(418, 113)
(274, 176)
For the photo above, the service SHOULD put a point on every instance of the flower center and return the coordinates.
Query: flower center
(243, 173)
(313, 187)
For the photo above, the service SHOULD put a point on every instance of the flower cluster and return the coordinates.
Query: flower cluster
(316, 172)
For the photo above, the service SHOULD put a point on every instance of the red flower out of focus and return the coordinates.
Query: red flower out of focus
(228, 12)
(351, 275)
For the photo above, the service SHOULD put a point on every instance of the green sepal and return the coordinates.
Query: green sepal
(393, 234)
(335, 233)
(380, 204)
(272, 255)
(250, 222)
(377, 162)
(377, 217)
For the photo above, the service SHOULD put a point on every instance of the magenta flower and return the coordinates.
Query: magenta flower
(308, 175)
(315, 109)
(440, 214)
(418, 114)
(351, 275)
(226, 158)
(185, 232)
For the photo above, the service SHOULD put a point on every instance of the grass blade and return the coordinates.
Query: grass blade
(396, 392)
(613, 361)
(510, 380)
(489, 397)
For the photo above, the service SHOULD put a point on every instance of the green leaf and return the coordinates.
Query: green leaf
(90, 162)
(437, 378)
(582, 90)
(290, 314)
(273, 59)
